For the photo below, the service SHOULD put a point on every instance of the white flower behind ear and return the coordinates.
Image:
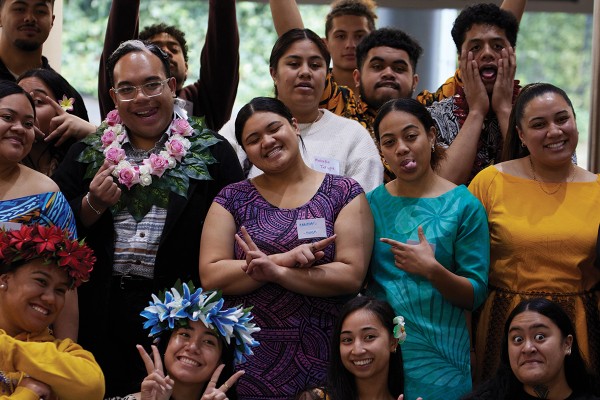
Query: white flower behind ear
(399, 329)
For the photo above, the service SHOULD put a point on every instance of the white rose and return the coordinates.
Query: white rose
(145, 179)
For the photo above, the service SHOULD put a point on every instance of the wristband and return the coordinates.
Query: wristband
(87, 199)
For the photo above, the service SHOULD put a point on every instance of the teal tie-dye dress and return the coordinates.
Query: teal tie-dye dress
(436, 352)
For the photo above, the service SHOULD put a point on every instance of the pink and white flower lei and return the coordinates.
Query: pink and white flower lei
(129, 174)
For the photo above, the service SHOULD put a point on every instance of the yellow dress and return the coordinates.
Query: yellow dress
(542, 245)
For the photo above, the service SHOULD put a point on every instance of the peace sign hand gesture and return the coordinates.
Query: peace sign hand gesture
(212, 393)
(156, 386)
(65, 126)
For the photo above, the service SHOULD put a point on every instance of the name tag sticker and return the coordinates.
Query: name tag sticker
(311, 228)
(327, 165)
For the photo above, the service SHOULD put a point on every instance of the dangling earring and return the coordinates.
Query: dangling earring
(433, 148)
(569, 352)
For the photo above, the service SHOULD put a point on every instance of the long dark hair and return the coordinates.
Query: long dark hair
(59, 87)
(285, 41)
(341, 384)
(505, 385)
(512, 146)
(8, 88)
(227, 358)
(413, 107)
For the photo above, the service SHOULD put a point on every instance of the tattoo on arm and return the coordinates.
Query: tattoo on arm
(541, 391)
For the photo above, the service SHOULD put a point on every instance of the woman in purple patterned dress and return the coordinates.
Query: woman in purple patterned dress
(294, 243)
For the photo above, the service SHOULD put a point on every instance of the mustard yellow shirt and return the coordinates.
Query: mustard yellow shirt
(540, 242)
(70, 371)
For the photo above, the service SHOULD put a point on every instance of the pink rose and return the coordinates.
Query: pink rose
(114, 154)
(108, 137)
(129, 176)
(113, 118)
(176, 148)
(181, 127)
(157, 164)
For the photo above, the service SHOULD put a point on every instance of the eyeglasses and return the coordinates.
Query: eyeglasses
(150, 89)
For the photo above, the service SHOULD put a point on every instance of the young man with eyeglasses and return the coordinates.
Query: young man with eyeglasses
(140, 189)
(212, 96)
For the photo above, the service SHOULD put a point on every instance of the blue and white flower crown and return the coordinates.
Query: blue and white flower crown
(207, 306)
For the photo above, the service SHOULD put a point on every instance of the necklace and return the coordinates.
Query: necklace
(309, 126)
(147, 178)
(559, 184)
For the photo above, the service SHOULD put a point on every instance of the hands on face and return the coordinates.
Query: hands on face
(156, 386)
(473, 86)
(64, 126)
(418, 259)
(503, 87)
(475, 92)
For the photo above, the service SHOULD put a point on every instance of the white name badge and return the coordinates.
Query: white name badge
(327, 165)
(10, 226)
(311, 228)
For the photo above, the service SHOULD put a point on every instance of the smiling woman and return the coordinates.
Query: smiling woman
(332, 144)
(203, 343)
(38, 266)
(549, 230)
(291, 238)
(27, 196)
(366, 359)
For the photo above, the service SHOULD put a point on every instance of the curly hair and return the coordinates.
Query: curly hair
(389, 37)
(359, 8)
(153, 30)
(484, 14)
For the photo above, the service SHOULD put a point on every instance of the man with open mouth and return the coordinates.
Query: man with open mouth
(473, 122)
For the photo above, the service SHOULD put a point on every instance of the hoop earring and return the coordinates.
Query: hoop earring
(523, 144)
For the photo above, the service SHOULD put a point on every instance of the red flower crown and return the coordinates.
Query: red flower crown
(51, 244)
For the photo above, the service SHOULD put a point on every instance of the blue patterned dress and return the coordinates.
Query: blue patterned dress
(295, 329)
(436, 352)
(48, 209)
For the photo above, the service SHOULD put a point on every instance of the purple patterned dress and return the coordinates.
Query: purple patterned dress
(295, 329)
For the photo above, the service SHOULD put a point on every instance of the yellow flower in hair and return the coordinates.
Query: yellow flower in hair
(66, 104)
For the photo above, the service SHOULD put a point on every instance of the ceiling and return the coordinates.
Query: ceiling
(575, 6)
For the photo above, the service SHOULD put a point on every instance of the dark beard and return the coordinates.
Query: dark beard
(27, 45)
(375, 104)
